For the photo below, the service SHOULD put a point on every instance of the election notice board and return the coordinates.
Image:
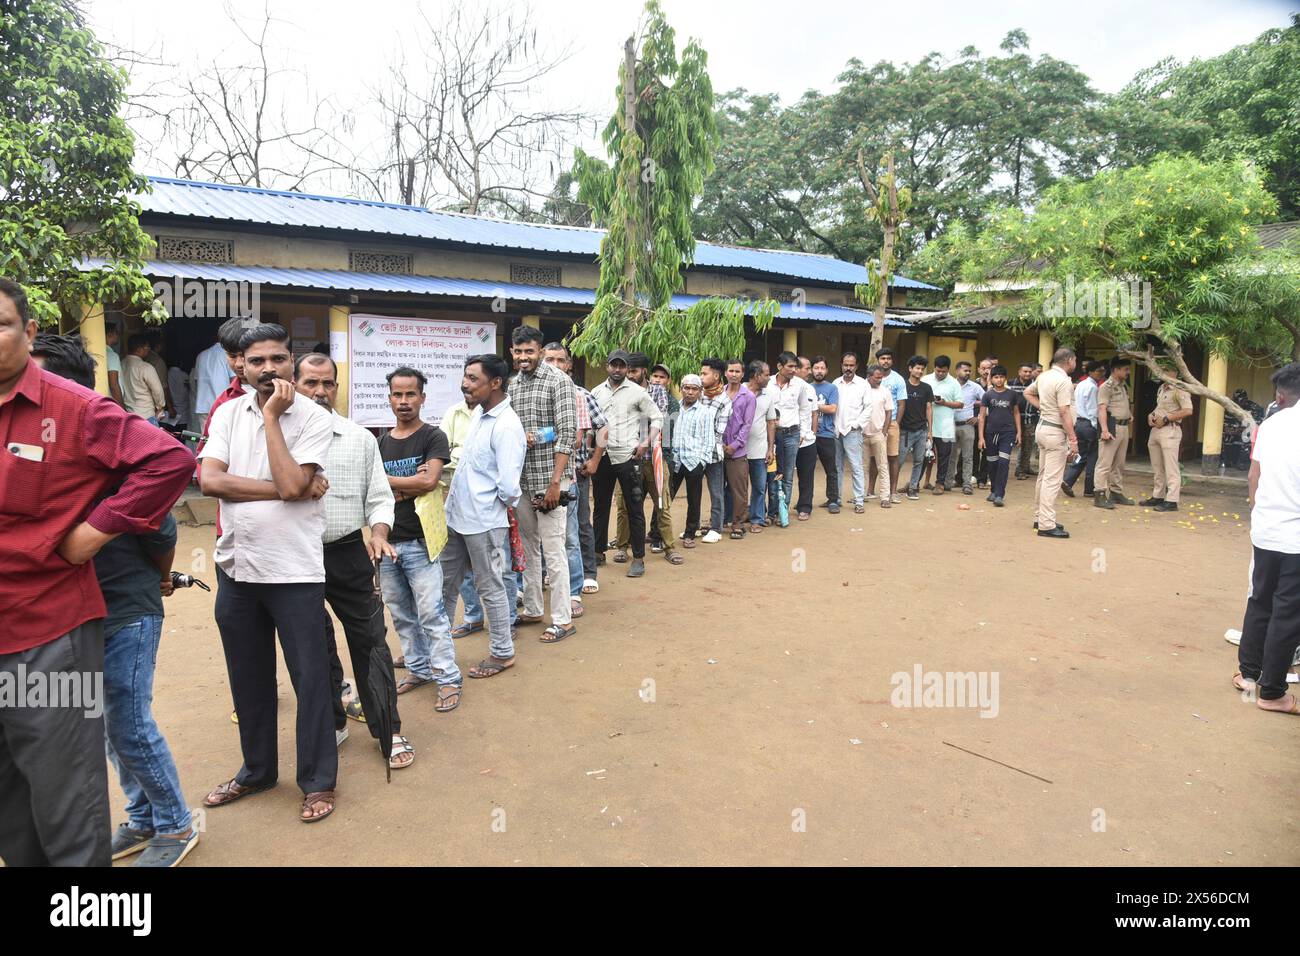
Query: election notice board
(377, 344)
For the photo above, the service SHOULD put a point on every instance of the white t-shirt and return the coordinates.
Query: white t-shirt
(756, 444)
(1275, 519)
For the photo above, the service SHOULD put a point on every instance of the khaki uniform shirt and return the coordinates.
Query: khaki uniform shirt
(1170, 400)
(1055, 391)
(1114, 396)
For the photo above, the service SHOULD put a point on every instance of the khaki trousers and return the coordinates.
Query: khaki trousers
(1163, 447)
(875, 453)
(1052, 452)
(1111, 455)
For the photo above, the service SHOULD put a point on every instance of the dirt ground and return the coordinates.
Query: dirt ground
(770, 737)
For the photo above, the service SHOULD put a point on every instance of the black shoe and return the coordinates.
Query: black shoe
(998, 503)
(1166, 506)
(1067, 490)
(1057, 532)
(991, 497)
(1101, 501)
(1151, 502)
(1058, 525)
(1121, 499)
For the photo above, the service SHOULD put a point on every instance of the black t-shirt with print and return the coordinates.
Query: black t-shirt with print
(1000, 420)
(918, 397)
(402, 456)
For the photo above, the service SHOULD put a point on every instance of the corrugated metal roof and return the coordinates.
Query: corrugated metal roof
(213, 201)
(340, 281)
(1274, 235)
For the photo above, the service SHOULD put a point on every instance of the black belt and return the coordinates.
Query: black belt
(786, 428)
(351, 538)
(969, 421)
(1053, 425)
(1121, 421)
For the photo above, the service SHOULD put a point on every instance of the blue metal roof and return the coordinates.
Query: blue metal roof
(340, 281)
(214, 201)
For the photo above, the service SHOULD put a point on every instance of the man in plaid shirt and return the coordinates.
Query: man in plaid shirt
(544, 399)
(580, 540)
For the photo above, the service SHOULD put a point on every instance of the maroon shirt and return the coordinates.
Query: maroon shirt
(88, 445)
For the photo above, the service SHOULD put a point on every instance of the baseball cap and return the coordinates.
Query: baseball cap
(618, 355)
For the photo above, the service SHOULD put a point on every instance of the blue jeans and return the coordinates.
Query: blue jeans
(134, 743)
(573, 550)
(468, 594)
(848, 449)
(787, 450)
(913, 441)
(719, 500)
(412, 587)
(757, 489)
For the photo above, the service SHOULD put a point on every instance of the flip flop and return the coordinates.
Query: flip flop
(490, 668)
(411, 682)
(590, 586)
(557, 633)
(464, 630)
(576, 609)
(439, 707)
(1242, 683)
(1293, 709)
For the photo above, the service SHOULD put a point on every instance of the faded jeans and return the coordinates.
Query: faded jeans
(757, 490)
(486, 557)
(913, 442)
(787, 452)
(573, 549)
(412, 587)
(965, 449)
(850, 451)
(469, 593)
(715, 478)
(135, 745)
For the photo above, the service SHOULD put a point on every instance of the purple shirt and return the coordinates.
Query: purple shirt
(742, 416)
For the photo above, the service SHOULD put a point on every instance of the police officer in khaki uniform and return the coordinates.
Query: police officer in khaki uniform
(1172, 406)
(1052, 393)
(1114, 416)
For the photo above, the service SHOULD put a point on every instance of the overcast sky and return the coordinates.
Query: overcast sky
(762, 45)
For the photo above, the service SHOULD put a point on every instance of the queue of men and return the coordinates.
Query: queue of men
(510, 495)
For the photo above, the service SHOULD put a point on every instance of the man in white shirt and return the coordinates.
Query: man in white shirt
(1086, 427)
(485, 484)
(794, 400)
(848, 426)
(760, 444)
(1270, 632)
(114, 363)
(263, 462)
(877, 421)
(141, 389)
(211, 376)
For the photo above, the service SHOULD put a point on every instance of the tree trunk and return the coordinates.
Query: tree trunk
(889, 222)
(1189, 383)
(629, 129)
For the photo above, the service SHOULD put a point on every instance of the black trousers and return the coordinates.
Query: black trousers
(53, 776)
(628, 478)
(805, 468)
(1270, 632)
(1088, 437)
(827, 455)
(249, 616)
(694, 479)
(349, 590)
(942, 451)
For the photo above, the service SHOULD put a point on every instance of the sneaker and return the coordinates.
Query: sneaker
(894, 499)
(127, 841)
(712, 537)
(913, 495)
(998, 503)
(991, 497)
(340, 736)
(1151, 502)
(352, 709)
(699, 532)
(636, 569)
(938, 489)
(1067, 490)
(168, 851)
(833, 508)
(967, 490)
(656, 547)
(1121, 499)
(884, 502)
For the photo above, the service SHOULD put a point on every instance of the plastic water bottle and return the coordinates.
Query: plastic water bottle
(546, 434)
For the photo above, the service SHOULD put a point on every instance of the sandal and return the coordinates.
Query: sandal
(309, 802)
(401, 747)
(804, 516)
(1242, 683)
(672, 557)
(557, 633)
(491, 667)
(737, 534)
(465, 630)
(411, 681)
(442, 706)
(529, 619)
(590, 586)
(755, 528)
(620, 556)
(1294, 708)
(229, 792)
(688, 542)
(576, 609)
(400, 663)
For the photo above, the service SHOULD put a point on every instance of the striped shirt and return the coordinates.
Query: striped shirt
(595, 422)
(541, 400)
(359, 494)
(695, 436)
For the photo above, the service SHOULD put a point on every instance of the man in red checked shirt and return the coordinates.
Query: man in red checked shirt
(63, 447)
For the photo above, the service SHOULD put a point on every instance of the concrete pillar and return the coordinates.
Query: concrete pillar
(922, 348)
(791, 341)
(92, 333)
(1212, 416)
(1046, 348)
(338, 322)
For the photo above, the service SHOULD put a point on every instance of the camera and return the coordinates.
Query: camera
(567, 496)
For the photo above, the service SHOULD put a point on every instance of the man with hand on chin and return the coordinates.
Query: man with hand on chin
(263, 462)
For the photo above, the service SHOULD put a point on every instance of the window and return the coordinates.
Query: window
(189, 249)
(527, 274)
(388, 263)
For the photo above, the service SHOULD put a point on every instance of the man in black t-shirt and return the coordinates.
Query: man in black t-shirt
(999, 430)
(914, 426)
(414, 453)
(1029, 420)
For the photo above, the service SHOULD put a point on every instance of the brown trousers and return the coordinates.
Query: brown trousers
(738, 480)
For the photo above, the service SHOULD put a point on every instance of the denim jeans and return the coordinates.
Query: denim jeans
(468, 593)
(134, 743)
(715, 478)
(586, 534)
(486, 556)
(913, 442)
(412, 587)
(757, 489)
(787, 450)
(573, 551)
(849, 448)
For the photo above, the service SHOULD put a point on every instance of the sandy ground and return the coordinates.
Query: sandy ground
(770, 737)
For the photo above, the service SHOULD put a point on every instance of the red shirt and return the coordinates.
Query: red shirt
(87, 444)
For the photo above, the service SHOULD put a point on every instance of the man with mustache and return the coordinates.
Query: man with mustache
(358, 497)
(263, 462)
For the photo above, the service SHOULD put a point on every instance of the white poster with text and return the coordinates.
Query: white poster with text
(377, 344)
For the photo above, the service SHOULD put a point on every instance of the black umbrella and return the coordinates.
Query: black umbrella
(379, 681)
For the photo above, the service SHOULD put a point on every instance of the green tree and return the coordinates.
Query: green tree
(1177, 227)
(661, 141)
(65, 165)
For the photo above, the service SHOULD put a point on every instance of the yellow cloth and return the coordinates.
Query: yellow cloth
(433, 520)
